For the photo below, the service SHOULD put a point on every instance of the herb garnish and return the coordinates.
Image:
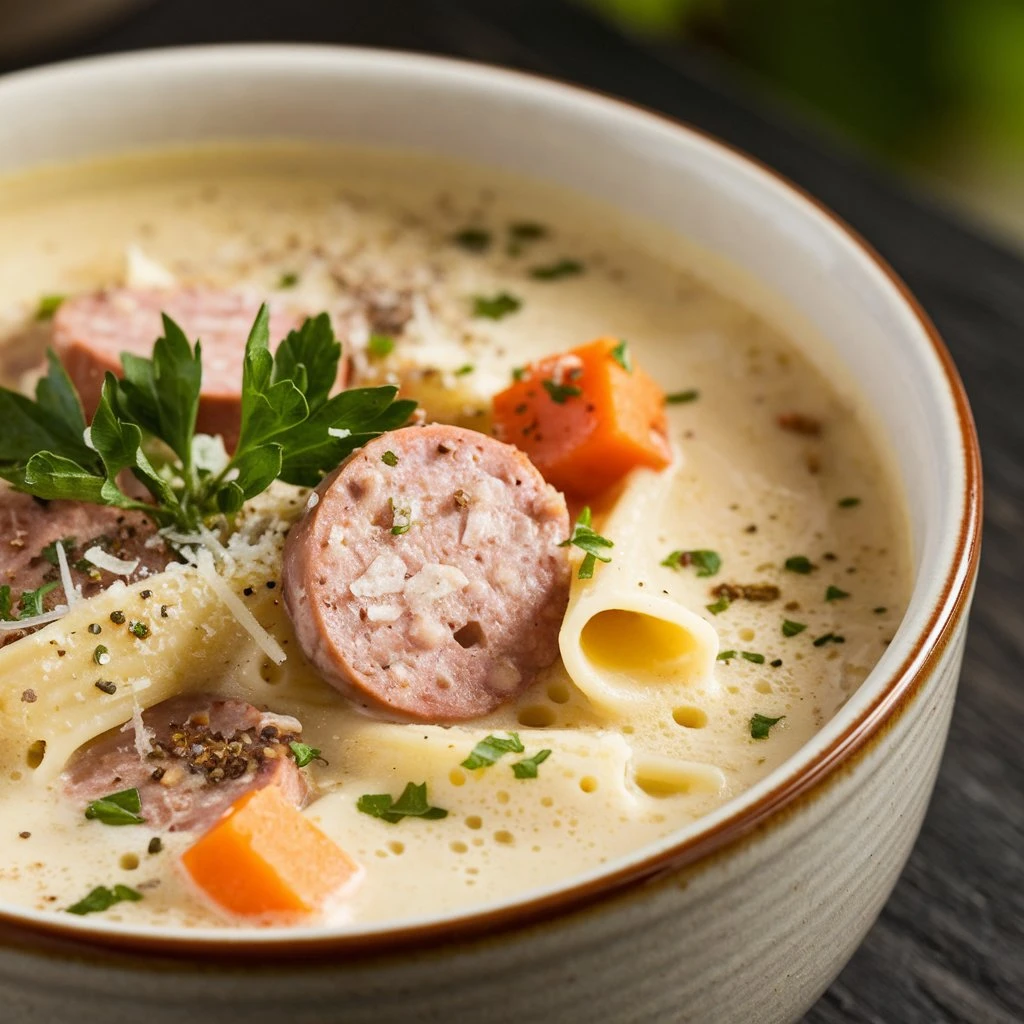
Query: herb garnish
(556, 271)
(496, 307)
(411, 804)
(491, 748)
(707, 563)
(139, 629)
(829, 638)
(527, 768)
(518, 373)
(289, 280)
(621, 354)
(590, 542)
(527, 231)
(117, 808)
(473, 239)
(48, 305)
(50, 551)
(726, 655)
(401, 518)
(102, 898)
(682, 397)
(304, 753)
(464, 369)
(757, 659)
(389, 458)
(790, 628)
(290, 428)
(30, 603)
(760, 725)
(718, 606)
(801, 564)
(848, 502)
(835, 594)
(380, 345)
(560, 393)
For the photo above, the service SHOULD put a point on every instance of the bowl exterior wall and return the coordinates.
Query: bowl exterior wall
(754, 934)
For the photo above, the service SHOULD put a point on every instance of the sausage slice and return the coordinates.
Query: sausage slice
(29, 527)
(197, 757)
(426, 579)
(91, 331)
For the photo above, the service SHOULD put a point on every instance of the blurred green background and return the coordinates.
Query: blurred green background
(933, 88)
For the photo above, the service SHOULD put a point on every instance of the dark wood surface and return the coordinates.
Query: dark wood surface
(949, 946)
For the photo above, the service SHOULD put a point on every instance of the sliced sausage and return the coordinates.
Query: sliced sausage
(427, 579)
(197, 756)
(29, 528)
(91, 331)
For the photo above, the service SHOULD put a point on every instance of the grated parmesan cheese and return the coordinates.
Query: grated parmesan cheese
(71, 593)
(106, 561)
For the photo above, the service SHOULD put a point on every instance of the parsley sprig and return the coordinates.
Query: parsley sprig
(120, 808)
(412, 803)
(491, 748)
(291, 427)
(589, 541)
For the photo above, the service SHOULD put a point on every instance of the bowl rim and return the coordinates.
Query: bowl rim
(801, 782)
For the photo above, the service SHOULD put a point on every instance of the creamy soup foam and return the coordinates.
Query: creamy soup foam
(778, 473)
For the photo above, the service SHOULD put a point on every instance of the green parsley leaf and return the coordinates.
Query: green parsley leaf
(304, 753)
(31, 602)
(848, 502)
(401, 518)
(389, 458)
(289, 280)
(464, 369)
(727, 655)
(380, 345)
(587, 540)
(621, 354)
(829, 638)
(527, 231)
(102, 898)
(707, 563)
(472, 239)
(556, 271)
(801, 564)
(518, 373)
(718, 606)
(527, 768)
(48, 306)
(760, 725)
(790, 628)
(5, 602)
(757, 659)
(117, 808)
(50, 551)
(835, 594)
(411, 804)
(560, 393)
(496, 307)
(682, 397)
(491, 748)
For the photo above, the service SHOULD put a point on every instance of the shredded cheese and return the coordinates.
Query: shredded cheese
(71, 593)
(34, 620)
(106, 561)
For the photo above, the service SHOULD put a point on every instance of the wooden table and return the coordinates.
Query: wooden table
(949, 946)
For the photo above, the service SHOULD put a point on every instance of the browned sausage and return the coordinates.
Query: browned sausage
(431, 587)
(29, 527)
(199, 755)
(91, 331)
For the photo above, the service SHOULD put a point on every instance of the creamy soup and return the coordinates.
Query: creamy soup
(753, 582)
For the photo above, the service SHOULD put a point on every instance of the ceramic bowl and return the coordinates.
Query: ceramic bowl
(749, 914)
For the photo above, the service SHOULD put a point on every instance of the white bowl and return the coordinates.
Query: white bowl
(749, 914)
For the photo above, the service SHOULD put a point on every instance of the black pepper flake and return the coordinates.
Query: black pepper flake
(60, 654)
(443, 449)
(776, 663)
(28, 696)
(156, 844)
(117, 617)
(101, 655)
(146, 595)
(139, 629)
(95, 627)
(25, 835)
(157, 774)
(106, 686)
(163, 611)
(248, 591)
(271, 584)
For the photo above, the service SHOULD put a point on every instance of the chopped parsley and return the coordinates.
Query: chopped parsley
(706, 562)
(518, 373)
(621, 354)
(289, 280)
(527, 231)
(760, 726)
(835, 594)
(682, 397)
(380, 345)
(389, 458)
(527, 768)
(561, 393)
(880, 610)
(848, 502)
(50, 551)
(464, 369)
(139, 629)
(727, 655)
(496, 307)
(791, 628)
(590, 542)
(117, 808)
(102, 898)
(304, 753)
(31, 601)
(829, 638)
(718, 606)
(473, 239)
(401, 518)
(48, 305)
(491, 748)
(411, 804)
(800, 564)
(757, 659)
(556, 271)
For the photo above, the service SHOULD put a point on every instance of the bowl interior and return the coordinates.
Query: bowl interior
(640, 163)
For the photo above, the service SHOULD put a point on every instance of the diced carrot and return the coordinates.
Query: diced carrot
(264, 858)
(584, 418)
